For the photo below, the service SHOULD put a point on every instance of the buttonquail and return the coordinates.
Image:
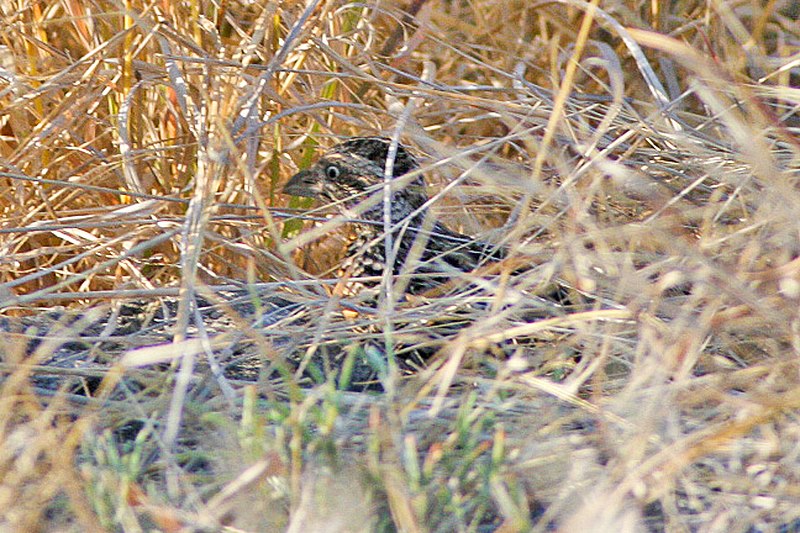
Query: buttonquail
(350, 176)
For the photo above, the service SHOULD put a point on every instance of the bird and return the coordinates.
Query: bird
(351, 177)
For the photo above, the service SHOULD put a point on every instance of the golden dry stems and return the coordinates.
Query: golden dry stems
(143, 147)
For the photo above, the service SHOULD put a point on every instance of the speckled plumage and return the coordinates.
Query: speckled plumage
(350, 176)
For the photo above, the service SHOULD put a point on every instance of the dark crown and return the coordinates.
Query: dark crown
(376, 149)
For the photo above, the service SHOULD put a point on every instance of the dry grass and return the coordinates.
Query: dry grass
(653, 171)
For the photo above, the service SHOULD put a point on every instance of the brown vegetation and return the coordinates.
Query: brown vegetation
(643, 155)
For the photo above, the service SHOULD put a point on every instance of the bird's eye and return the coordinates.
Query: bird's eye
(332, 172)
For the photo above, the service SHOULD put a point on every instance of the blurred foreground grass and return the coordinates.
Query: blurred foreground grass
(643, 153)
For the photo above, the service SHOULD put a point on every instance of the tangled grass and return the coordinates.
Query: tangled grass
(644, 156)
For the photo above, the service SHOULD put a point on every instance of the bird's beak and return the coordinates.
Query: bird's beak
(304, 183)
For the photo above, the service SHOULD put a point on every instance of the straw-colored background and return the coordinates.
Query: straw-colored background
(645, 155)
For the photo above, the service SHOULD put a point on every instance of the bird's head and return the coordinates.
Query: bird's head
(353, 171)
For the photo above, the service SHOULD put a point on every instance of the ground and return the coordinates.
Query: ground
(637, 159)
